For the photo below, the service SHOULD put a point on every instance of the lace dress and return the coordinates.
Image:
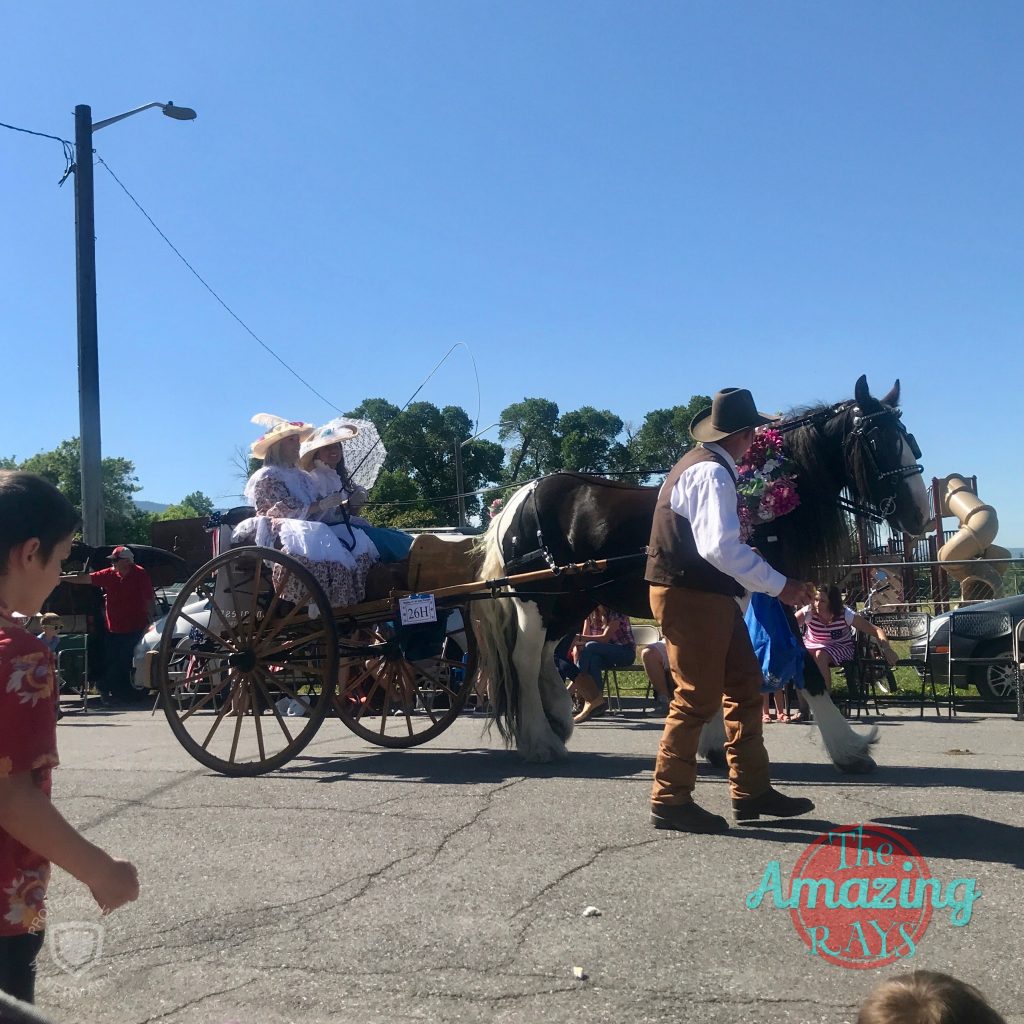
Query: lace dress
(282, 498)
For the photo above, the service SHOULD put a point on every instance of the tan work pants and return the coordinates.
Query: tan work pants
(713, 665)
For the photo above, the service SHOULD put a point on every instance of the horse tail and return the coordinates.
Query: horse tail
(496, 627)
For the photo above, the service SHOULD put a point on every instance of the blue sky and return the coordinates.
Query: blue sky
(614, 204)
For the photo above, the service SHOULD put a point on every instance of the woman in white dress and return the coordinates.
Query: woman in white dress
(322, 455)
(291, 512)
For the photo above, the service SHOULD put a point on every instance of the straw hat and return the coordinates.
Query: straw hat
(731, 411)
(334, 432)
(277, 430)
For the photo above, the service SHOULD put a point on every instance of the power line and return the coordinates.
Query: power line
(203, 282)
(69, 149)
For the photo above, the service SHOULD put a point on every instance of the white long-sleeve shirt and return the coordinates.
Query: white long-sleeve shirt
(705, 495)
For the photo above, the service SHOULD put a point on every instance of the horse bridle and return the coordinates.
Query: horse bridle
(867, 434)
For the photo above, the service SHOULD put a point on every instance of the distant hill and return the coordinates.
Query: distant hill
(151, 506)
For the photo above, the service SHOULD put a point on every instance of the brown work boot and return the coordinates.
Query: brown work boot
(687, 817)
(770, 803)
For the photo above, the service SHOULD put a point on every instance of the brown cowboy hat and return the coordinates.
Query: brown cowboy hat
(731, 411)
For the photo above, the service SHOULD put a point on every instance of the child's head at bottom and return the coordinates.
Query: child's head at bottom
(37, 524)
(926, 997)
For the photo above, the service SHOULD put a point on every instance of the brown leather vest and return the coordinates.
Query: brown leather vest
(672, 558)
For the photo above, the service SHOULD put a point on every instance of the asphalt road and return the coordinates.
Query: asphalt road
(448, 882)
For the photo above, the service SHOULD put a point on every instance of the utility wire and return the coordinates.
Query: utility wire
(202, 281)
(262, 343)
(69, 149)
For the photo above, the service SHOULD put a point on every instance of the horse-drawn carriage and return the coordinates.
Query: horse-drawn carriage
(258, 675)
(247, 679)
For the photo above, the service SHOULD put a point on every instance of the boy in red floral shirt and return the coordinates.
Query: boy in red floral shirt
(36, 526)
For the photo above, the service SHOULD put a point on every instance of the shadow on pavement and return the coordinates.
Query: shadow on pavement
(466, 767)
(992, 780)
(936, 836)
(962, 837)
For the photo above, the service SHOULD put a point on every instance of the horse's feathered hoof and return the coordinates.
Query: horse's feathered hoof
(716, 758)
(858, 766)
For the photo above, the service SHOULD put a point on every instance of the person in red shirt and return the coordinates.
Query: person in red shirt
(130, 607)
(36, 527)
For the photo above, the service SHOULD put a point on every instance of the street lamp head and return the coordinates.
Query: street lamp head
(179, 113)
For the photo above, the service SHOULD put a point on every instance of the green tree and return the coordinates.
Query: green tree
(588, 437)
(396, 501)
(664, 436)
(123, 522)
(531, 427)
(421, 442)
(192, 506)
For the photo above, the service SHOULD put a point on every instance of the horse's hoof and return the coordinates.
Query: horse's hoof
(858, 766)
(716, 758)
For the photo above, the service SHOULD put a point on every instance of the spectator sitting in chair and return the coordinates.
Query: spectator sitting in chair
(828, 630)
(130, 607)
(655, 661)
(606, 641)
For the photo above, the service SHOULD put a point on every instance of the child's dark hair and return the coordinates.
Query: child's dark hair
(32, 507)
(926, 997)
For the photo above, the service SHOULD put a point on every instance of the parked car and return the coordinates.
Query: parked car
(995, 682)
(144, 665)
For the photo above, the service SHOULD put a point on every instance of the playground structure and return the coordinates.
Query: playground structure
(943, 569)
(969, 553)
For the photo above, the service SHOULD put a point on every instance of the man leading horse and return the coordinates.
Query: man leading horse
(698, 567)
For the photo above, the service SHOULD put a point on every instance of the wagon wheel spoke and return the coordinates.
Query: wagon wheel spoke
(258, 720)
(349, 693)
(300, 604)
(277, 714)
(229, 629)
(278, 653)
(260, 634)
(199, 705)
(191, 678)
(254, 603)
(239, 714)
(225, 708)
(275, 682)
(202, 629)
(233, 590)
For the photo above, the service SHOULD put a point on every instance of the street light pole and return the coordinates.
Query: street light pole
(88, 350)
(91, 461)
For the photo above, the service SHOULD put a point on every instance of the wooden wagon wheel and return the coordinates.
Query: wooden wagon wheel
(399, 686)
(260, 673)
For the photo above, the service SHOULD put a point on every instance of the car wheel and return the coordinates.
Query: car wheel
(994, 682)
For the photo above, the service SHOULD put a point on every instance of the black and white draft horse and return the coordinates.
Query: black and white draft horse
(859, 445)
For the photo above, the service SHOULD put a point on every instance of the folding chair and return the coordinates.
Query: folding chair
(73, 668)
(979, 626)
(905, 627)
(644, 636)
(860, 681)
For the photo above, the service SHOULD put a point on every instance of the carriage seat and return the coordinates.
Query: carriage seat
(437, 561)
(434, 560)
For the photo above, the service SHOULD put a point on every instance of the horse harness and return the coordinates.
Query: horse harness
(541, 556)
(867, 433)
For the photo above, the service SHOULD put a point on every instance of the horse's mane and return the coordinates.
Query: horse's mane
(815, 537)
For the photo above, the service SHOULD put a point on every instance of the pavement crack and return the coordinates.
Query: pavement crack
(195, 1002)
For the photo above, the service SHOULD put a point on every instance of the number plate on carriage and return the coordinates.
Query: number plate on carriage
(417, 608)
